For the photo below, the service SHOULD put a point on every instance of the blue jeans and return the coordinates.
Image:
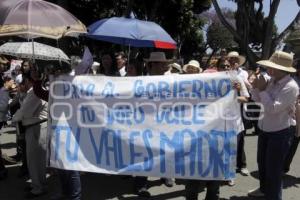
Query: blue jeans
(71, 185)
(271, 154)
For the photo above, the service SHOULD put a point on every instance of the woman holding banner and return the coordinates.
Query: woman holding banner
(212, 186)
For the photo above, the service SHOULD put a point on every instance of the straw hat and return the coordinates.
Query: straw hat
(157, 57)
(279, 60)
(235, 54)
(193, 63)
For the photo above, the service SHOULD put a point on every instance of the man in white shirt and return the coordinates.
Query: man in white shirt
(278, 97)
(235, 62)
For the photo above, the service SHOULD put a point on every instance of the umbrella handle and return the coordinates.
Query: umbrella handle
(128, 55)
(33, 57)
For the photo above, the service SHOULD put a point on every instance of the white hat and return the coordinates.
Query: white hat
(157, 57)
(95, 64)
(193, 63)
(279, 60)
(19, 79)
(235, 54)
(176, 66)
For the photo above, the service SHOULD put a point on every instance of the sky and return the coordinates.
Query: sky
(287, 11)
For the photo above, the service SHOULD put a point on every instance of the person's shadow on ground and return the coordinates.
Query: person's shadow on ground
(242, 198)
(290, 181)
(170, 195)
(10, 145)
(255, 174)
(121, 187)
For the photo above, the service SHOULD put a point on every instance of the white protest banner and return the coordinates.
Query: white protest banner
(181, 126)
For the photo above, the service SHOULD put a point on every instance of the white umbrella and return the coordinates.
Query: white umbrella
(37, 18)
(25, 50)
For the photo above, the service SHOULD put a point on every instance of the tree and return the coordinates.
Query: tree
(292, 43)
(293, 35)
(218, 37)
(254, 31)
(178, 17)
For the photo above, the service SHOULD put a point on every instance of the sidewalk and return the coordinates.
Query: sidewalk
(100, 186)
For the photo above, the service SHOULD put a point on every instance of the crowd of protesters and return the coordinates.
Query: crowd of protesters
(274, 85)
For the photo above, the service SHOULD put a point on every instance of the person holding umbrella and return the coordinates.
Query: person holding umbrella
(121, 63)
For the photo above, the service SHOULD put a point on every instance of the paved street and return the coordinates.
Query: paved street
(98, 186)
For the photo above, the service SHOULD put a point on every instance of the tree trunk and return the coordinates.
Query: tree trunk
(243, 24)
(224, 21)
(267, 44)
(129, 8)
(153, 11)
(252, 58)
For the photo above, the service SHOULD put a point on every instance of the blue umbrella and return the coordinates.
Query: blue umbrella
(132, 32)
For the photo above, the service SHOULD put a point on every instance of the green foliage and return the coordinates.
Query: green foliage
(254, 31)
(295, 35)
(218, 37)
(252, 24)
(177, 17)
